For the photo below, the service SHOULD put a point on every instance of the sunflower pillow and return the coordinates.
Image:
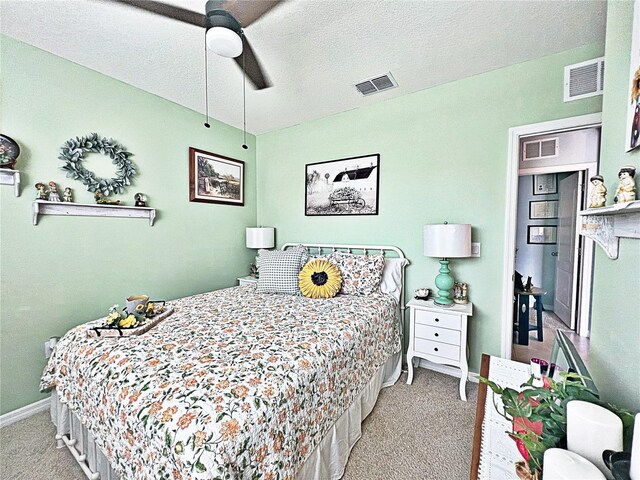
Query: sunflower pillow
(320, 279)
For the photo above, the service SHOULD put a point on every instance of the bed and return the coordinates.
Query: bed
(234, 384)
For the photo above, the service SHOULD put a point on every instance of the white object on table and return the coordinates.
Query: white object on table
(439, 335)
(560, 464)
(260, 237)
(592, 429)
(248, 280)
(634, 472)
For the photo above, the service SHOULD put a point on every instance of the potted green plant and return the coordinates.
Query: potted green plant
(539, 416)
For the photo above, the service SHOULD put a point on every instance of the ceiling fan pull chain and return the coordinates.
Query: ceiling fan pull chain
(206, 82)
(244, 97)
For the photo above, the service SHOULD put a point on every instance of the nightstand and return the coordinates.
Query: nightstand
(248, 280)
(439, 334)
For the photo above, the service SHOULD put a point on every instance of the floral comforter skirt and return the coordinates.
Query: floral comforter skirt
(233, 385)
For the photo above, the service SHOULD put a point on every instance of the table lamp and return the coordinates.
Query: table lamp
(446, 241)
(260, 237)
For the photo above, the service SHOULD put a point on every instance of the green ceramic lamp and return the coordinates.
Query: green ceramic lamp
(446, 241)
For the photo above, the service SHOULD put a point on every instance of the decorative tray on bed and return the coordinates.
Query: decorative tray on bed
(109, 332)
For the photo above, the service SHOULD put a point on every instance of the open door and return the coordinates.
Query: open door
(565, 296)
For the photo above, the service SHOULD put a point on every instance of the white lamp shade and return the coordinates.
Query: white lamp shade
(447, 240)
(260, 237)
(224, 42)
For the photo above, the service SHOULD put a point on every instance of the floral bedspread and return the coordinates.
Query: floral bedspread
(233, 385)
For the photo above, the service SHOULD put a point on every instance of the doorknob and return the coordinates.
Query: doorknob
(554, 254)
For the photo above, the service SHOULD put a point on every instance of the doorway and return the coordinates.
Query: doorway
(550, 164)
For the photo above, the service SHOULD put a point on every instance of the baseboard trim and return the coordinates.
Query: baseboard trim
(448, 370)
(24, 412)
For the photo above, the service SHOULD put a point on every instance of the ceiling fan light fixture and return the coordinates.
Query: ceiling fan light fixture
(224, 42)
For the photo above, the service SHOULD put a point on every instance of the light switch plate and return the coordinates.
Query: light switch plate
(475, 249)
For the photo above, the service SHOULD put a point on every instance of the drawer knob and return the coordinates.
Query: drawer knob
(437, 319)
(437, 334)
(435, 349)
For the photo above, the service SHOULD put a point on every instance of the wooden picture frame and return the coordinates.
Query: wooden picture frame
(542, 209)
(542, 234)
(545, 184)
(214, 178)
(347, 186)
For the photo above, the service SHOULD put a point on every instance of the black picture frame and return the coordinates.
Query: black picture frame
(543, 209)
(347, 186)
(540, 237)
(545, 184)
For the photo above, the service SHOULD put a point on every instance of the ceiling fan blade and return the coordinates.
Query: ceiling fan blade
(252, 66)
(248, 12)
(166, 10)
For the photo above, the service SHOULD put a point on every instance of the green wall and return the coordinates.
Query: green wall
(615, 335)
(443, 157)
(68, 270)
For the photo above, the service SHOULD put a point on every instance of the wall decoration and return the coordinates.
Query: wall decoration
(542, 234)
(545, 184)
(347, 186)
(67, 196)
(215, 178)
(74, 151)
(42, 191)
(633, 107)
(9, 152)
(543, 209)
(140, 199)
(102, 200)
(626, 191)
(53, 192)
(598, 194)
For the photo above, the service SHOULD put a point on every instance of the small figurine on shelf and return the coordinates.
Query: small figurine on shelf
(67, 196)
(42, 192)
(102, 200)
(598, 196)
(53, 192)
(626, 191)
(141, 200)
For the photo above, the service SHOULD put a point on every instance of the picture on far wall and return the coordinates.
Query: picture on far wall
(215, 178)
(545, 184)
(348, 186)
(543, 209)
(633, 108)
(543, 234)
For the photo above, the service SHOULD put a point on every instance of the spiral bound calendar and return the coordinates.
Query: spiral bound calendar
(499, 454)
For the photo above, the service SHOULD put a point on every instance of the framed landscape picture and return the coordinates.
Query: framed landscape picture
(215, 178)
(348, 186)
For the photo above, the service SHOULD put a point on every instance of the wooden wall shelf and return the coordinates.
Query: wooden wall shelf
(10, 177)
(606, 225)
(41, 207)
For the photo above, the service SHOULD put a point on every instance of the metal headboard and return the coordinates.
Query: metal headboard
(355, 249)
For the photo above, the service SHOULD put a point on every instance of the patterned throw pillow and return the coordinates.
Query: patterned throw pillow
(279, 270)
(361, 274)
(320, 279)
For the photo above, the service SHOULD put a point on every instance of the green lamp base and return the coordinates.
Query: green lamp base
(444, 282)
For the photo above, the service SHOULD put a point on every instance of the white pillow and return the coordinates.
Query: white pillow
(391, 282)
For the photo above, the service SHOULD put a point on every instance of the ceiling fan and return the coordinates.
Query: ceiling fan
(223, 22)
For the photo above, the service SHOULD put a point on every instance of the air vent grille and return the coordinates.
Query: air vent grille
(376, 84)
(538, 149)
(584, 79)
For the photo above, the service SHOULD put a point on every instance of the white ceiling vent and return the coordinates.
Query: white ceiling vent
(538, 149)
(585, 79)
(376, 84)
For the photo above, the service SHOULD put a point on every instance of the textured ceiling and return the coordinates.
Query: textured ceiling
(313, 50)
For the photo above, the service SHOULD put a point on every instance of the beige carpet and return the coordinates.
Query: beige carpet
(419, 431)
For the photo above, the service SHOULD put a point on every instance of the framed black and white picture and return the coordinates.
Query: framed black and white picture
(348, 186)
(542, 234)
(545, 184)
(543, 209)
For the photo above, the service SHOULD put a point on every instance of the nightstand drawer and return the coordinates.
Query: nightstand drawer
(437, 334)
(437, 319)
(437, 349)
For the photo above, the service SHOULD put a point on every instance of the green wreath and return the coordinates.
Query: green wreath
(73, 152)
